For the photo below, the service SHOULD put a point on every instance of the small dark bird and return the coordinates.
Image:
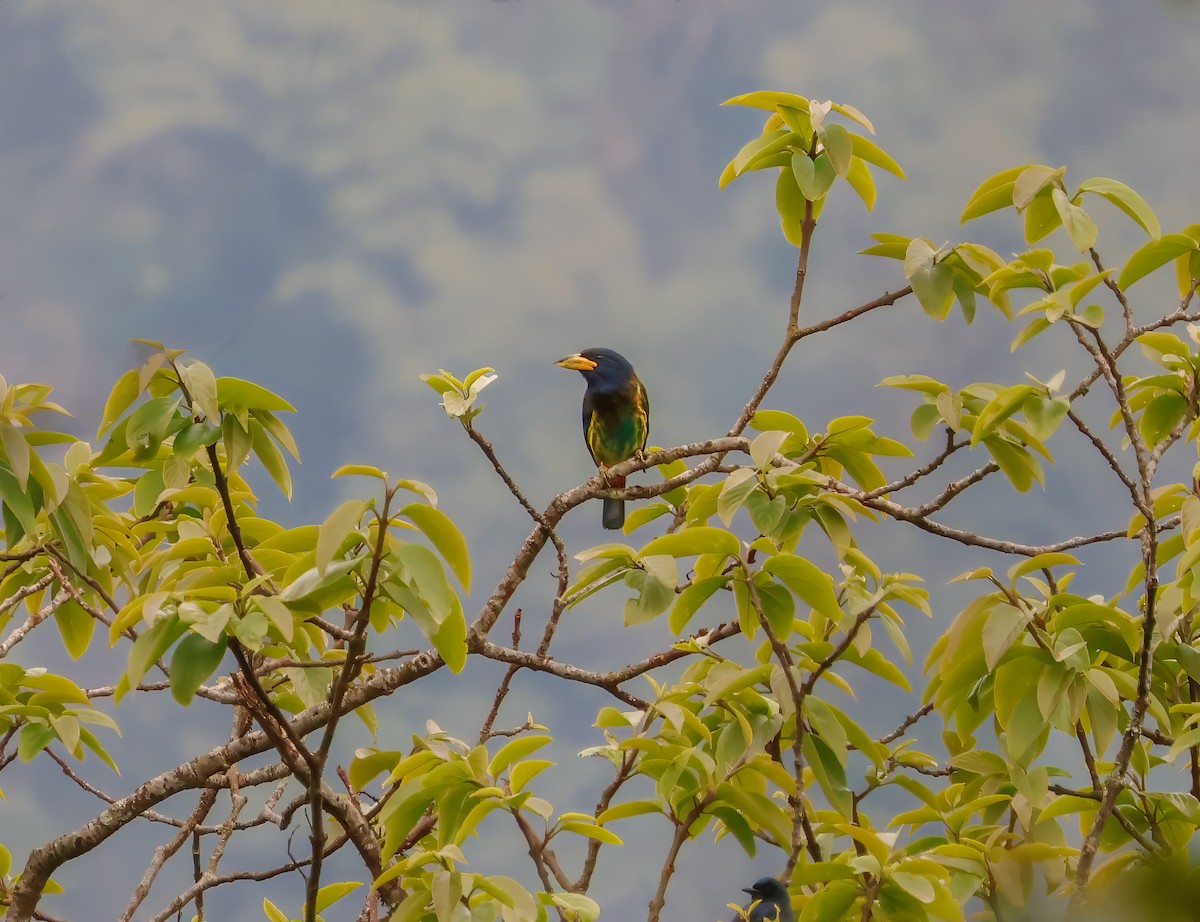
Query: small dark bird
(616, 417)
(770, 901)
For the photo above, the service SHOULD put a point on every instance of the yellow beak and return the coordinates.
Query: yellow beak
(576, 362)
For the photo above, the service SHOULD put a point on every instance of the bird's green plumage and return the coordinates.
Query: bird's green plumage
(616, 416)
(615, 425)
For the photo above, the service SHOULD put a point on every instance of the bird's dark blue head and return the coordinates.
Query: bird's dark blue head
(774, 904)
(768, 888)
(603, 369)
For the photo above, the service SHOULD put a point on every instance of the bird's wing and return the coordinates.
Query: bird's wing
(589, 414)
(641, 402)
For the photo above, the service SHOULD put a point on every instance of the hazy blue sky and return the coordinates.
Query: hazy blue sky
(333, 197)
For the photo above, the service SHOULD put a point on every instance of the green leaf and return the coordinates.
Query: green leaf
(1126, 199)
(577, 907)
(17, 450)
(964, 290)
(688, 602)
(192, 436)
(234, 393)
(693, 541)
(194, 660)
(932, 282)
(868, 150)
(1080, 227)
(592, 831)
(311, 581)
(853, 114)
(862, 182)
(825, 724)
(122, 396)
(331, 893)
(824, 175)
(209, 624)
(274, 425)
(333, 531)
(1161, 416)
(1044, 414)
(644, 514)
(441, 531)
(737, 486)
(916, 885)
(921, 383)
(524, 772)
(201, 387)
(450, 639)
(146, 492)
(768, 420)
(20, 515)
(814, 177)
(1018, 466)
(237, 440)
(890, 246)
(33, 739)
(148, 425)
(833, 903)
(1154, 255)
(731, 678)
(778, 606)
(362, 470)
(1041, 217)
(67, 530)
(992, 194)
(628, 809)
(758, 809)
(1035, 326)
(1031, 181)
(75, 626)
(998, 409)
(441, 615)
(424, 574)
(876, 663)
(799, 120)
(272, 458)
(765, 145)
(59, 689)
(838, 145)
(789, 202)
(924, 420)
(514, 750)
(277, 614)
(653, 597)
(830, 774)
(805, 175)
(764, 448)
(1091, 316)
(770, 100)
(1187, 270)
(149, 646)
(807, 581)
(1163, 343)
(1004, 626)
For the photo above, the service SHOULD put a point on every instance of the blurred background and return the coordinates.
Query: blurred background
(331, 198)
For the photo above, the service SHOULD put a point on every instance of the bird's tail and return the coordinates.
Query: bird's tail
(613, 516)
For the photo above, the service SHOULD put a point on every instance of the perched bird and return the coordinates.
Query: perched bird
(770, 901)
(616, 417)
